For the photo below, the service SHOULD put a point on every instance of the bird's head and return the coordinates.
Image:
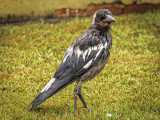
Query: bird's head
(103, 19)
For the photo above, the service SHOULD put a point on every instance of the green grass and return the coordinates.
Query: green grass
(128, 87)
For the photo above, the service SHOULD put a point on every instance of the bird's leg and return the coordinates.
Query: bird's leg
(75, 100)
(81, 98)
(77, 91)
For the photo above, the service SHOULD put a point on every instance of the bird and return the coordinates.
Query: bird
(83, 60)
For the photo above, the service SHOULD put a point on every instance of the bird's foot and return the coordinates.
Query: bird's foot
(75, 110)
(74, 113)
(87, 107)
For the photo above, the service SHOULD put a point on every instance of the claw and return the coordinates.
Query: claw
(74, 113)
(87, 107)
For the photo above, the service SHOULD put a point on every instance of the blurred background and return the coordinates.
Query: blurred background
(20, 10)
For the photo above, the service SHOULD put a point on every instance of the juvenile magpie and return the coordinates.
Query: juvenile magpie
(83, 60)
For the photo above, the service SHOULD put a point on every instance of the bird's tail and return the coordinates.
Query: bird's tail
(50, 89)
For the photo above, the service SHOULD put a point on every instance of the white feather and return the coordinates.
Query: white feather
(94, 17)
(88, 64)
(100, 47)
(84, 54)
(68, 53)
(78, 52)
(48, 85)
(65, 58)
(94, 48)
(105, 45)
(89, 51)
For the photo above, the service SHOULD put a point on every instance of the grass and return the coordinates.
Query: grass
(128, 87)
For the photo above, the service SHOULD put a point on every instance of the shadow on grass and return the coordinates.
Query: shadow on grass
(58, 110)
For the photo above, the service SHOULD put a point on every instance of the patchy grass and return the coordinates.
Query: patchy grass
(128, 87)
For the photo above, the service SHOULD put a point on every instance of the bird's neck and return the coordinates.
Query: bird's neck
(100, 29)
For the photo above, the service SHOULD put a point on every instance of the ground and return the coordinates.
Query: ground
(127, 88)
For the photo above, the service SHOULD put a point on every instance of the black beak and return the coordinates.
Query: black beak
(109, 18)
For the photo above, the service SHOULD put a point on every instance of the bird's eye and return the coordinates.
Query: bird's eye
(110, 13)
(101, 17)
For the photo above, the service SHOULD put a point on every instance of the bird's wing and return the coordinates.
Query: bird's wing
(83, 53)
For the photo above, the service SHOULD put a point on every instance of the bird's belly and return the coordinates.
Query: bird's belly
(94, 70)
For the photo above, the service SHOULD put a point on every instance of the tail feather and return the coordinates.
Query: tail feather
(53, 87)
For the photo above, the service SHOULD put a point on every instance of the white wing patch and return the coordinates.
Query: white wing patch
(84, 54)
(105, 40)
(100, 47)
(105, 45)
(68, 53)
(88, 64)
(89, 51)
(48, 85)
(78, 52)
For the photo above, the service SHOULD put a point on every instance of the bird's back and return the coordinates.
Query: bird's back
(106, 38)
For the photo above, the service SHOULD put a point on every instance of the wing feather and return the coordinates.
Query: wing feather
(80, 57)
(85, 51)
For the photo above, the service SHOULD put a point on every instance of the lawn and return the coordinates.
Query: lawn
(127, 88)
